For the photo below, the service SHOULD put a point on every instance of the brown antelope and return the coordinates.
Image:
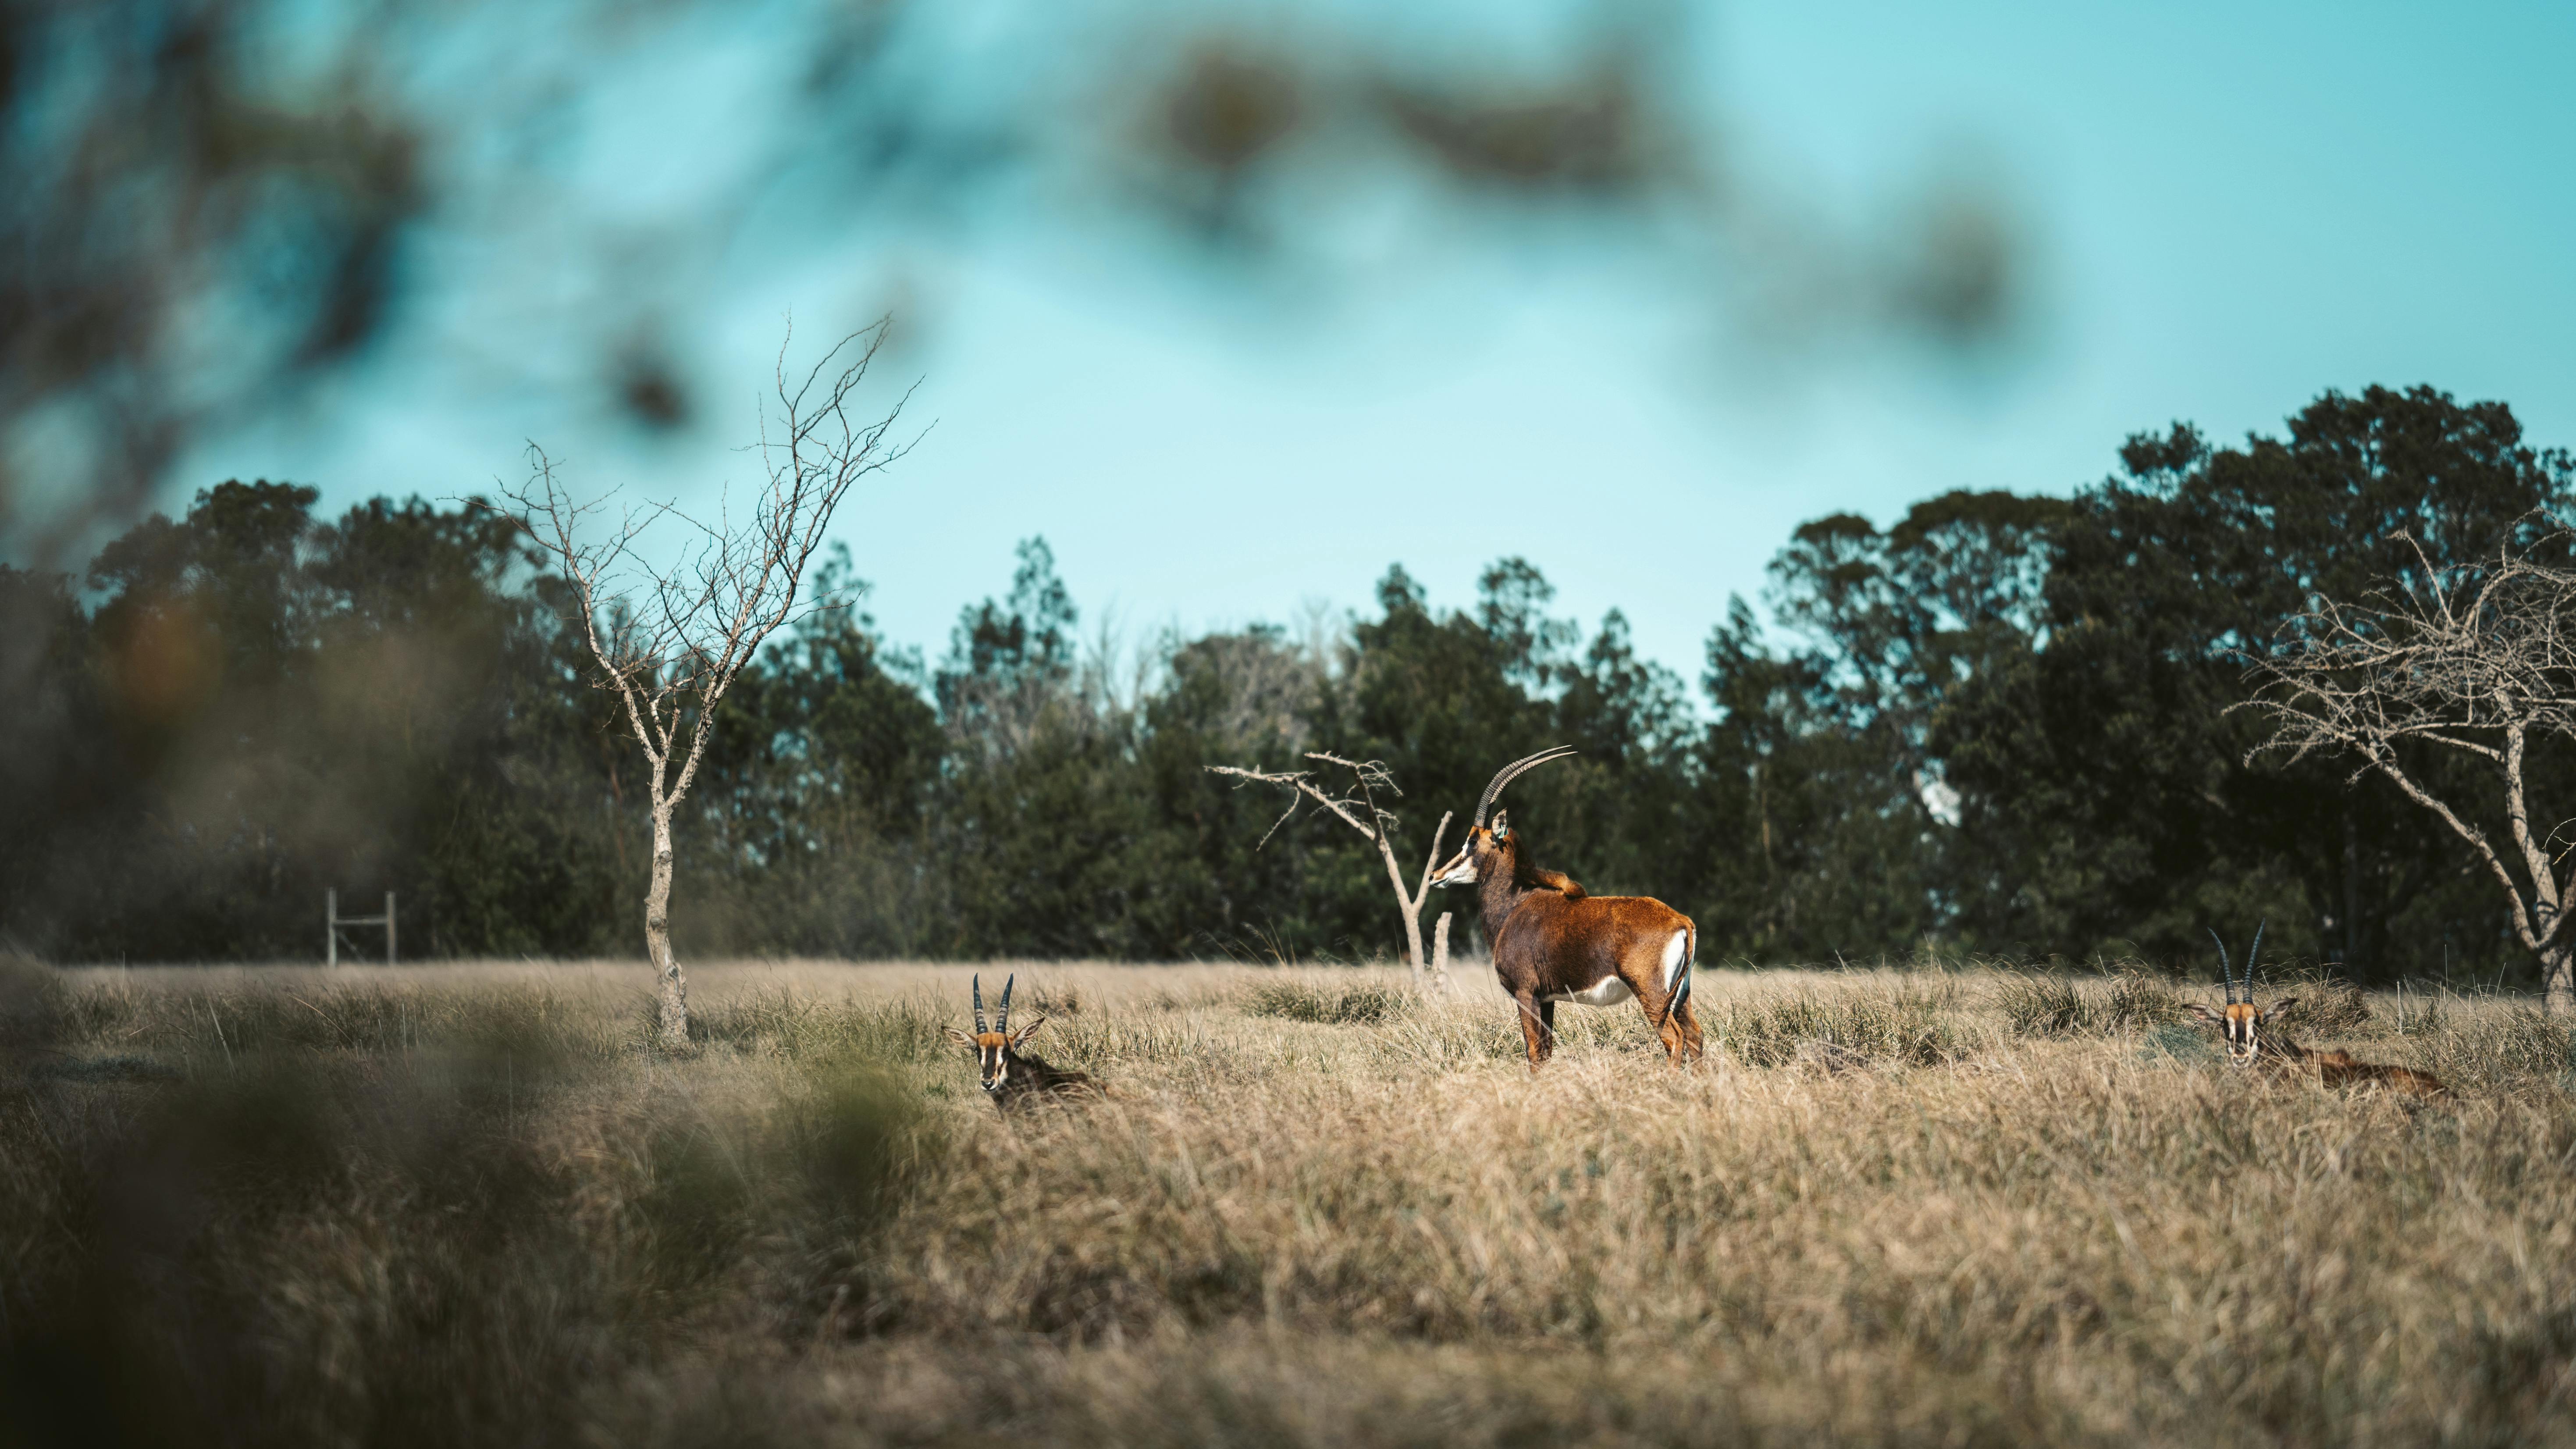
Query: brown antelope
(2253, 1040)
(1012, 1078)
(1552, 941)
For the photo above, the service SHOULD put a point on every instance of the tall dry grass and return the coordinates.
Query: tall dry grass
(470, 1205)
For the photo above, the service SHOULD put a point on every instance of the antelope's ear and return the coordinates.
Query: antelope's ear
(1030, 1030)
(1502, 825)
(959, 1037)
(2278, 1007)
(2204, 1013)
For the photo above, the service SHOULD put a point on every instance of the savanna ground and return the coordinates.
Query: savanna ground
(469, 1204)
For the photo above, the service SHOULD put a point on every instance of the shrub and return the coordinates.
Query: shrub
(2328, 1005)
(2054, 1003)
(2043, 1004)
(1361, 1005)
(1904, 1026)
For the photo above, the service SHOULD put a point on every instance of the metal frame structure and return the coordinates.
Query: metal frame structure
(333, 921)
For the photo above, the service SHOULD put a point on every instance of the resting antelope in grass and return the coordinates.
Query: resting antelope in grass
(2253, 1040)
(1011, 1078)
(1554, 942)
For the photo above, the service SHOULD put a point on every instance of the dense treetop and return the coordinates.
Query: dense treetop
(1998, 724)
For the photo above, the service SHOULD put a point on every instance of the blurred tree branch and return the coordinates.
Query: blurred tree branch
(185, 240)
(200, 231)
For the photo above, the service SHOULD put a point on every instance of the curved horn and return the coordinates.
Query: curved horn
(2251, 952)
(2226, 969)
(1002, 1021)
(1514, 771)
(979, 1003)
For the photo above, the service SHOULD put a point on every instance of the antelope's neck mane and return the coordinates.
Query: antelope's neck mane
(1506, 883)
(1554, 880)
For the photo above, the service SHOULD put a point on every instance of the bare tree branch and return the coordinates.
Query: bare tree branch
(670, 636)
(2479, 660)
(1356, 806)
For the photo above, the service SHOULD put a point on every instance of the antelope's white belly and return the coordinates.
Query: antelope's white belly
(1608, 991)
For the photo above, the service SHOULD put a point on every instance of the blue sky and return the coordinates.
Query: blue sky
(2228, 209)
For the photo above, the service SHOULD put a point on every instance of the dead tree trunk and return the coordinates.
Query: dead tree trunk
(1357, 808)
(668, 634)
(672, 1014)
(1412, 912)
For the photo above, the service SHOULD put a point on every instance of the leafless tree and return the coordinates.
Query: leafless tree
(2477, 660)
(1356, 806)
(668, 634)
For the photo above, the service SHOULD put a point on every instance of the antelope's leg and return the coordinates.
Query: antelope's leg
(1665, 993)
(1536, 1034)
(1688, 1018)
(1662, 1018)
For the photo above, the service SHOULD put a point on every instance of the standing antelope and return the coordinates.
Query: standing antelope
(2253, 1040)
(1012, 1079)
(1554, 942)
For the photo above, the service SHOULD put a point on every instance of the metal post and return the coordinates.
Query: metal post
(330, 928)
(389, 928)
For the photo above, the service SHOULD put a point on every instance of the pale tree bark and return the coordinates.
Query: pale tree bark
(1357, 808)
(668, 633)
(671, 986)
(2478, 661)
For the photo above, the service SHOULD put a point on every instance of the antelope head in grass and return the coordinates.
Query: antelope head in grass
(2255, 1038)
(1554, 941)
(1013, 1078)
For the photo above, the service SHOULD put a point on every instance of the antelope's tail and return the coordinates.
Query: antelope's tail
(1679, 958)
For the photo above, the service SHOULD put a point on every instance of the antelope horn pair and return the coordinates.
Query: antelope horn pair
(2229, 972)
(1514, 771)
(1003, 1021)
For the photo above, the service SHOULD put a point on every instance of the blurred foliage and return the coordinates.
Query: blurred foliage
(260, 708)
(190, 231)
(219, 206)
(329, 1233)
(1996, 725)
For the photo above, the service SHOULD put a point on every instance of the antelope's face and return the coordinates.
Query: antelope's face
(2240, 1022)
(1467, 866)
(992, 1055)
(993, 1050)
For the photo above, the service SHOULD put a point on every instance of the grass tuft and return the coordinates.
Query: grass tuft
(2058, 1004)
(1907, 1027)
(1328, 1005)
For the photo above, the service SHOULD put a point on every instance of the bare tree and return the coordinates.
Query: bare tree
(669, 636)
(2475, 660)
(1356, 806)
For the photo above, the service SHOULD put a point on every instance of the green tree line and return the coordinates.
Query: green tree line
(1999, 724)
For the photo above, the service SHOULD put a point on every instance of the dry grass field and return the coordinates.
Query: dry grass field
(466, 1204)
